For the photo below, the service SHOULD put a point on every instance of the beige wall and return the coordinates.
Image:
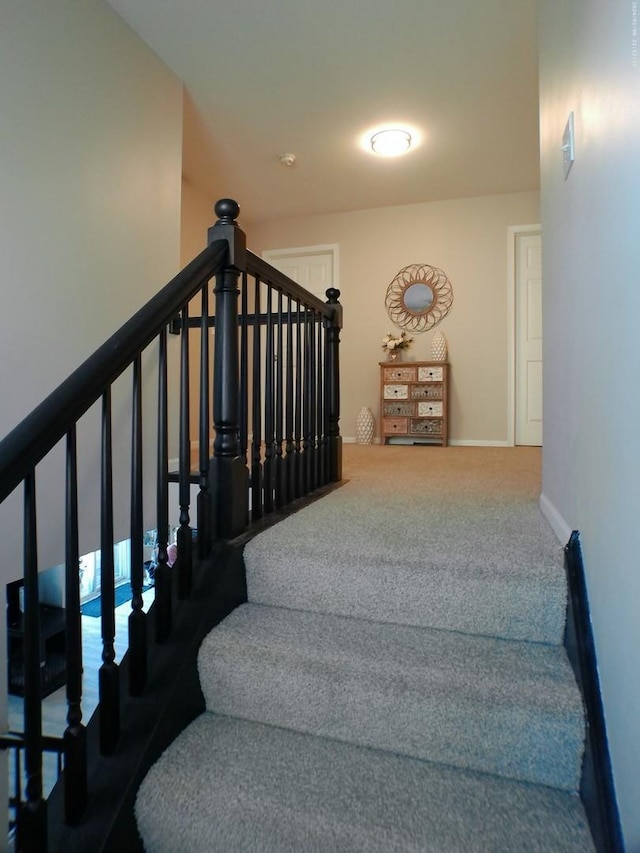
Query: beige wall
(90, 151)
(467, 238)
(197, 217)
(592, 352)
(90, 157)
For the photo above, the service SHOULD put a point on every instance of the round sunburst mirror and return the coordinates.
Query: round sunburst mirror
(419, 297)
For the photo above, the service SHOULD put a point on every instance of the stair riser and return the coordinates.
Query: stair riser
(421, 721)
(496, 608)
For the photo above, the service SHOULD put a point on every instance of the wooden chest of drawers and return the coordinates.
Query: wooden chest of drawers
(413, 401)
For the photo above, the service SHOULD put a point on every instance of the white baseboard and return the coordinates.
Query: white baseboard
(555, 519)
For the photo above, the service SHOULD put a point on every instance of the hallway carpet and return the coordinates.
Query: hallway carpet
(397, 679)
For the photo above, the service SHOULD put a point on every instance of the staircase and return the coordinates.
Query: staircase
(396, 680)
(272, 394)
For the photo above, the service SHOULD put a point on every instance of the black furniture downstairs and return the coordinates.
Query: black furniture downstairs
(52, 644)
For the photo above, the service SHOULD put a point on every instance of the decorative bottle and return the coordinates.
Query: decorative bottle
(438, 347)
(365, 426)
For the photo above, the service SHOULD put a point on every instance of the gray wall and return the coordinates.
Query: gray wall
(591, 257)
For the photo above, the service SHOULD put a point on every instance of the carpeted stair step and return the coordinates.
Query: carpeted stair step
(433, 560)
(501, 707)
(231, 786)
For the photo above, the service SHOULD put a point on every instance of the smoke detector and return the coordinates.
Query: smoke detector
(288, 159)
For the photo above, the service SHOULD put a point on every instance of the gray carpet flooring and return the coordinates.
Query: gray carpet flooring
(263, 788)
(391, 685)
(482, 568)
(490, 705)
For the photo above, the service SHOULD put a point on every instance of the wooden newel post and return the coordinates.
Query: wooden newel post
(228, 472)
(332, 387)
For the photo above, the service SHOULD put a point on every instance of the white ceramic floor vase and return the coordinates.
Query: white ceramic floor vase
(439, 347)
(365, 426)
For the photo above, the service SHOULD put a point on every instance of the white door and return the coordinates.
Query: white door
(528, 329)
(313, 267)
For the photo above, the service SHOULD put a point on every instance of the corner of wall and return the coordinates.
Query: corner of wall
(557, 523)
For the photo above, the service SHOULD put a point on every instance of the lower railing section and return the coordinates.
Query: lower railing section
(272, 394)
(171, 700)
(14, 743)
(287, 427)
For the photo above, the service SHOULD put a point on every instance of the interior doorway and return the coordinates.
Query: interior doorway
(316, 269)
(525, 335)
(313, 267)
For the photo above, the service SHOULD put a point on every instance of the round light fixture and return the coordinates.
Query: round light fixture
(390, 143)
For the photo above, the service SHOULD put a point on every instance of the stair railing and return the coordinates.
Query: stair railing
(273, 397)
(14, 744)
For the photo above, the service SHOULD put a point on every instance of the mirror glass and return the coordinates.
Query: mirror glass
(417, 297)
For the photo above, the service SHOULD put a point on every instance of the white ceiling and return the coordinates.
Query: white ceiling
(268, 77)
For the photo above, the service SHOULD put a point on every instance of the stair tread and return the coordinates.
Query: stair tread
(494, 705)
(231, 785)
(498, 572)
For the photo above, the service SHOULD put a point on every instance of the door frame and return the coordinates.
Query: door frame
(513, 232)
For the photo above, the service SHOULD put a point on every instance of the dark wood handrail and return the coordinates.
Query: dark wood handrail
(41, 430)
(291, 448)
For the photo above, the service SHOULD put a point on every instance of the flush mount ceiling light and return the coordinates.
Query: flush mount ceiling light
(391, 142)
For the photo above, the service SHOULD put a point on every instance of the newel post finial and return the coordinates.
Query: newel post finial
(227, 228)
(227, 210)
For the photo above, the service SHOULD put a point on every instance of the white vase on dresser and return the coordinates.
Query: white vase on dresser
(438, 347)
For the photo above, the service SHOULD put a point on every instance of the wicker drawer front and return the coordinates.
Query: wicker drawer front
(425, 426)
(396, 392)
(399, 374)
(399, 408)
(430, 374)
(426, 392)
(395, 426)
(430, 410)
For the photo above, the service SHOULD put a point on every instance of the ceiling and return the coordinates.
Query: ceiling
(269, 77)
